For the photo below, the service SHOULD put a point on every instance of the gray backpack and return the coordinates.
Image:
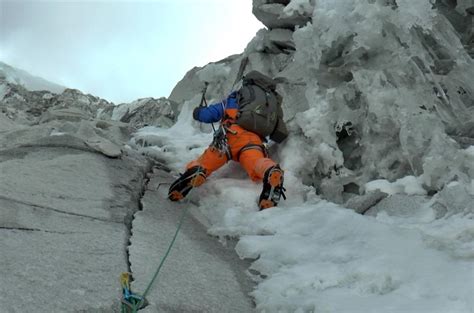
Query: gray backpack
(260, 107)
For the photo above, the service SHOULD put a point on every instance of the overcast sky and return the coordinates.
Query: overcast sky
(122, 50)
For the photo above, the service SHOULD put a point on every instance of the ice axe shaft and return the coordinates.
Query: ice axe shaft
(203, 102)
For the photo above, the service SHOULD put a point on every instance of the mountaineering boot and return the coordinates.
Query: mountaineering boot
(272, 188)
(193, 177)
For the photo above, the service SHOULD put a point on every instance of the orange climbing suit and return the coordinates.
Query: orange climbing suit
(244, 145)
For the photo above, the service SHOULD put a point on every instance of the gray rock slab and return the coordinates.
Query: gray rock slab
(105, 137)
(398, 205)
(279, 41)
(270, 13)
(200, 274)
(59, 179)
(63, 228)
(64, 114)
(363, 203)
(60, 263)
(6, 124)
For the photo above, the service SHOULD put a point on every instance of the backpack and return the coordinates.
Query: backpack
(260, 107)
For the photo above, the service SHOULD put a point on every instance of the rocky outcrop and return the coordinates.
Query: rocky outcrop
(28, 107)
(147, 112)
(19, 77)
(74, 98)
(68, 191)
(276, 41)
(461, 16)
(278, 13)
(187, 87)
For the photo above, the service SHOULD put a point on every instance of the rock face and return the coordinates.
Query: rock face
(460, 15)
(196, 255)
(64, 226)
(27, 107)
(280, 14)
(68, 192)
(147, 112)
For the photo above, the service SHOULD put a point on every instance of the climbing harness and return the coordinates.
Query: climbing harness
(253, 146)
(219, 141)
(132, 302)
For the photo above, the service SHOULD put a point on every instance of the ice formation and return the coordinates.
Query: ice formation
(372, 89)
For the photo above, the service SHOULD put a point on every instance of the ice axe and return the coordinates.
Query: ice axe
(203, 103)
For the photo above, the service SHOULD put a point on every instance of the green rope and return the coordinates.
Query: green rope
(136, 306)
(167, 252)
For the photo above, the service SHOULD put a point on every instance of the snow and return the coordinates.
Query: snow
(316, 256)
(30, 82)
(3, 91)
(300, 6)
(409, 185)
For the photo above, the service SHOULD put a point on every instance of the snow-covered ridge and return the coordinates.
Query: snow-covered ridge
(27, 99)
(31, 107)
(17, 76)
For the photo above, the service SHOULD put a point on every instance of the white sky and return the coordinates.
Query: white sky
(122, 50)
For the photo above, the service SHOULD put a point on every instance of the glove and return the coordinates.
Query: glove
(196, 112)
(232, 101)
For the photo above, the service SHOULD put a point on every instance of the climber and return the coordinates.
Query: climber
(244, 144)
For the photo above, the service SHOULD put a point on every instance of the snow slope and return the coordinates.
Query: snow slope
(30, 82)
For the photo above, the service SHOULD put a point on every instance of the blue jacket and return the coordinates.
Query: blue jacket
(216, 111)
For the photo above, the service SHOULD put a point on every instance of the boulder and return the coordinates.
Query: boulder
(400, 205)
(273, 15)
(363, 203)
(187, 87)
(27, 107)
(66, 114)
(149, 112)
(278, 41)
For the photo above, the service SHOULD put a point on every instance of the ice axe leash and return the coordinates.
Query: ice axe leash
(132, 302)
